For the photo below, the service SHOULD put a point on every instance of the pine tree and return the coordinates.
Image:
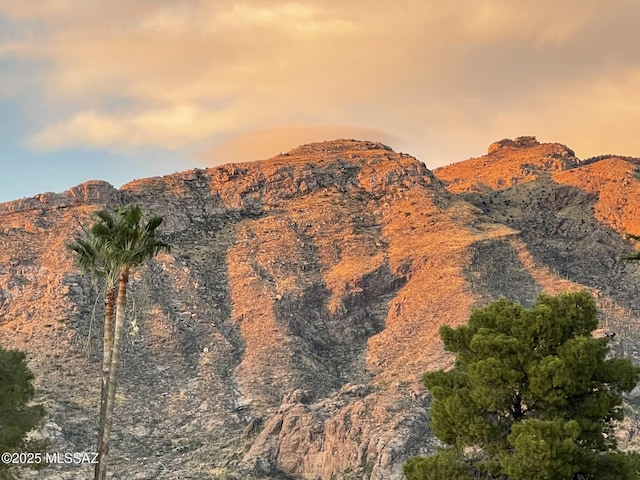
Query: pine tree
(532, 396)
(18, 416)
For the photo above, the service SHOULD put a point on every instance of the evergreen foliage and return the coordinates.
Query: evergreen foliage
(18, 416)
(532, 396)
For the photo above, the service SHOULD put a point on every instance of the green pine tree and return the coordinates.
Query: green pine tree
(18, 416)
(532, 396)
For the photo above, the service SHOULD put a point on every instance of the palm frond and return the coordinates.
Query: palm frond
(153, 224)
(85, 254)
(132, 214)
(106, 218)
(117, 240)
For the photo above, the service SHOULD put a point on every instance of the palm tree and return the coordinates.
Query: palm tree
(90, 259)
(118, 244)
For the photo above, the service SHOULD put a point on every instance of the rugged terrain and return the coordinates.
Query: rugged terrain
(285, 334)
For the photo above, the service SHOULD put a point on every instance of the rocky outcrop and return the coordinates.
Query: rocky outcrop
(354, 433)
(285, 334)
(93, 192)
(507, 163)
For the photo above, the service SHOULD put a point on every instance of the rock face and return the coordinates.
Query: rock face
(354, 433)
(93, 192)
(286, 333)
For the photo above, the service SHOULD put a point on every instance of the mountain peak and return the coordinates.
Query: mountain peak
(528, 142)
(507, 163)
(339, 149)
(339, 145)
(518, 142)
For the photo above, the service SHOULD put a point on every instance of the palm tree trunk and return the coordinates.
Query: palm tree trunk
(103, 451)
(107, 348)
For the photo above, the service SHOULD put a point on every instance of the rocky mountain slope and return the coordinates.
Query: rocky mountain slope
(285, 334)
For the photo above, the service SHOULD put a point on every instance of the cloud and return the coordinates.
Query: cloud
(446, 77)
(178, 127)
(299, 18)
(541, 22)
(33, 8)
(601, 115)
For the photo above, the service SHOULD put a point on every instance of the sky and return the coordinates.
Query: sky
(125, 89)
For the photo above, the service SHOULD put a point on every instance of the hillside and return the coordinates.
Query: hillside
(285, 334)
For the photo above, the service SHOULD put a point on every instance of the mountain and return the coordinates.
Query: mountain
(285, 334)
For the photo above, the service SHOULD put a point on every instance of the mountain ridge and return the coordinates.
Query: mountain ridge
(287, 331)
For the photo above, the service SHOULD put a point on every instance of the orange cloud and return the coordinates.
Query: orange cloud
(446, 77)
